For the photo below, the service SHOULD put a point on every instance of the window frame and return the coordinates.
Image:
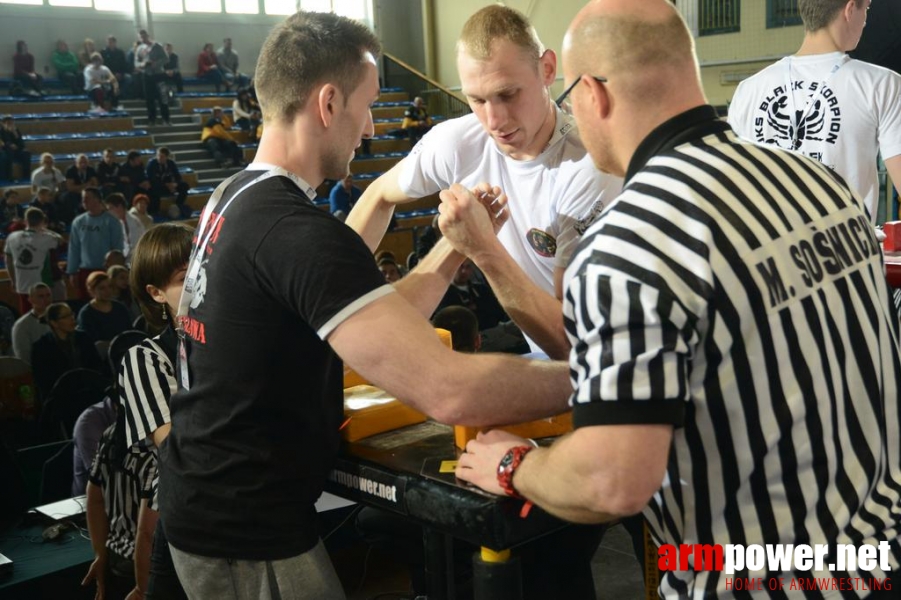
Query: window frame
(704, 6)
(772, 22)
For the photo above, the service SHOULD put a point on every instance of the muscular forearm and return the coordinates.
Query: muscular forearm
(536, 312)
(542, 388)
(98, 527)
(370, 217)
(147, 519)
(597, 474)
(425, 286)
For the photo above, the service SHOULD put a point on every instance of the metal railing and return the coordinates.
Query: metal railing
(438, 99)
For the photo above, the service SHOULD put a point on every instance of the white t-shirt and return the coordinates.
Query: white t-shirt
(849, 110)
(553, 198)
(95, 77)
(29, 250)
(51, 180)
(132, 230)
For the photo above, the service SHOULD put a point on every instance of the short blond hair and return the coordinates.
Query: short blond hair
(497, 22)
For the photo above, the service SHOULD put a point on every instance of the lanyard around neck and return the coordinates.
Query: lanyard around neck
(798, 120)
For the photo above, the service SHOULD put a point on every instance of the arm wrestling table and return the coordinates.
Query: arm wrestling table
(401, 471)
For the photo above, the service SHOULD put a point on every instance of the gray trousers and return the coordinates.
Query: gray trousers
(308, 576)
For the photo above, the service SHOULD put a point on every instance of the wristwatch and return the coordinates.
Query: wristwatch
(508, 465)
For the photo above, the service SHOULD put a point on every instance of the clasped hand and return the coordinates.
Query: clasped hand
(471, 219)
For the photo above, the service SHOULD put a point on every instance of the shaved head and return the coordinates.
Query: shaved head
(645, 52)
(636, 44)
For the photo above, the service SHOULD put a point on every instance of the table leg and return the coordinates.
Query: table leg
(439, 565)
(496, 576)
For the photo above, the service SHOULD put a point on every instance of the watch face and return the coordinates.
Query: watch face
(506, 461)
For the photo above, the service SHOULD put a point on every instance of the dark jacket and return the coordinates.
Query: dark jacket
(50, 359)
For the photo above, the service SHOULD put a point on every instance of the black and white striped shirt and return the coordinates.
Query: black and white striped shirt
(123, 488)
(147, 382)
(737, 292)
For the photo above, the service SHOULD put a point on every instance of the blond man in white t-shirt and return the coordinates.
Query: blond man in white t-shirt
(520, 143)
(841, 112)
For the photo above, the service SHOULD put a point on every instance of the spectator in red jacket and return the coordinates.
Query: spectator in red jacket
(208, 68)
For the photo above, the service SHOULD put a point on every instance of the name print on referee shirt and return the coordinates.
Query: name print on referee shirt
(796, 265)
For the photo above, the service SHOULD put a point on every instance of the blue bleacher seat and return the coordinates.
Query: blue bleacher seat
(85, 136)
(423, 212)
(92, 156)
(206, 94)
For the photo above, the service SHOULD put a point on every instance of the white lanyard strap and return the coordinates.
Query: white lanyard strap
(205, 231)
(798, 120)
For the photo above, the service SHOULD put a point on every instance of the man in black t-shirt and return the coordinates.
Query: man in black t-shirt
(108, 173)
(78, 177)
(278, 294)
(132, 176)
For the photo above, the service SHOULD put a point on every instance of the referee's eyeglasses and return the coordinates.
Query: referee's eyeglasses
(561, 99)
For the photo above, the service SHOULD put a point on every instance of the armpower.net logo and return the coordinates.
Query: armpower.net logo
(782, 558)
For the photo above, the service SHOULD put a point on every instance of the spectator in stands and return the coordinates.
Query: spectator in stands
(115, 60)
(139, 205)
(48, 176)
(140, 52)
(108, 173)
(158, 275)
(246, 112)
(10, 210)
(219, 141)
(132, 228)
(23, 70)
(165, 180)
(121, 477)
(103, 318)
(7, 320)
(12, 150)
(132, 176)
(208, 69)
(417, 121)
(172, 69)
(155, 81)
(87, 50)
(113, 258)
(121, 290)
(28, 255)
(228, 63)
(388, 267)
(475, 296)
(30, 326)
(101, 85)
(67, 68)
(50, 207)
(61, 349)
(78, 177)
(463, 326)
(86, 436)
(94, 233)
(343, 196)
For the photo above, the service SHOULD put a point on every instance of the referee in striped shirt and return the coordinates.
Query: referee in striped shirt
(735, 357)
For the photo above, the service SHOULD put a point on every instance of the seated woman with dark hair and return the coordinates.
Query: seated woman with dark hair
(61, 349)
(103, 318)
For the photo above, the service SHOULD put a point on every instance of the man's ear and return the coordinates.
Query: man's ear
(326, 100)
(548, 67)
(601, 102)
